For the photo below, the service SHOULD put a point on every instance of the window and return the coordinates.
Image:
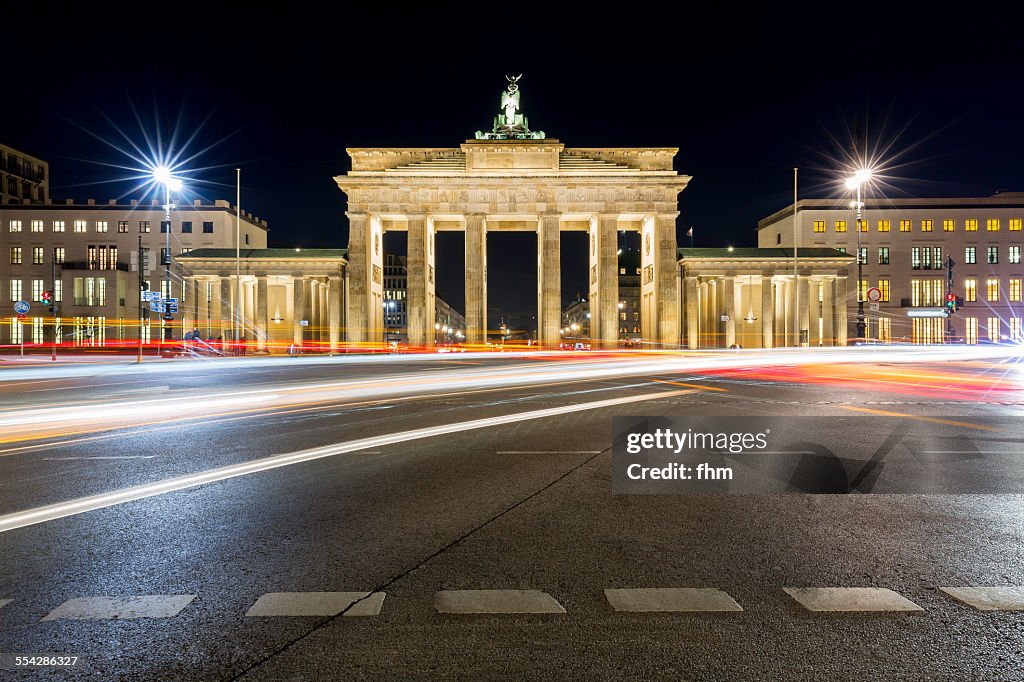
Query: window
(971, 330)
(948, 225)
(1015, 224)
(113, 256)
(862, 225)
(37, 289)
(80, 226)
(992, 224)
(883, 255)
(971, 225)
(101, 225)
(164, 226)
(15, 255)
(37, 225)
(58, 290)
(58, 225)
(208, 227)
(970, 290)
(926, 260)
(101, 263)
(1014, 328)
(247, 243)
(927, 292)
(883, 225)
(184, 251)
(1014, 254)
(58, 254)
(91, 259)
(915, 257)
(622, 271)
(884, 329)
(904, 226)
(143, 226)
(122, 226)
(993, 255)
(883, 286)
(15, 226)
(15, 289)
(993, 329)
(936, 257)
(841, 249)
(819, 225)
(1015, 290)
(862, 254)
(926, 226)
(186, 227)
(862, 290)
(37, 255)
(101, 291)
(840, 226)
(970, 255)
(992, 289)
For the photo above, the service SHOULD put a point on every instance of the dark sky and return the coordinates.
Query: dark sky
(744, 96)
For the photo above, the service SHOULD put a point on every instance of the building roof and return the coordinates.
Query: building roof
(265, 254)
(762, 254)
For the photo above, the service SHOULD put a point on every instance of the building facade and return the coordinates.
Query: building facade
(576, 317)
(87, 256)
(23, 178)
(905, 245)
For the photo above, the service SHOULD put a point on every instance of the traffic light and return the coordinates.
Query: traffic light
(46, 298)
(950, 303)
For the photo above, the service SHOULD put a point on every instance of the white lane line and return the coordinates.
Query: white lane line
(989, 598)
(548, 452)
(850, 599)
(317, 604)
(68, 459)
(121, 608)
(5, 602)
(495, 601)
(670, 599)
(93, 502)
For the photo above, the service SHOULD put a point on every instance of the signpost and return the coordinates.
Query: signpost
(21, 308)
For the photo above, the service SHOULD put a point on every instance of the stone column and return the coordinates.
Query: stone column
(476, 279)
(692, 313)
(249, 289)
(227, 307)
(840, 319)
(334, 311)
(420, 302)
(604, 281)
(299, 296)
(204, 304)
(729, 308)
(189, 305)
(828, 329)
(767, 312)
(666, 265)
(549, 281)
(366, 278)
(813, 313)
(804, 302)
(262, 321)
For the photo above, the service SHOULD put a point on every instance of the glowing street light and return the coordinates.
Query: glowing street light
(861, 177)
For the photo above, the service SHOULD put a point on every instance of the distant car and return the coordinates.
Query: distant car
(581, 346)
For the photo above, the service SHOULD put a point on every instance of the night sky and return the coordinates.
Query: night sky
(745, 97)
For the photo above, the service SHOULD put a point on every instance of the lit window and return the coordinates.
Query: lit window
(883, 255)
(948, 225)
(122, 226)
(15, 289)
(37, 255)
(1015, 290)
(883, 286)
(915, 257)
(970, 255)
(840, 226)
(992, 289)
(862, 225)
(101, 225)
(15, 255)
(143, 226)
(1014, 254)
(15, 226)
(862, 290)
(58, 254)
(862, 254)
(79, 226)
(993, 255)
(993, 329)
(819, 225)
(622, 271)
(992, 224)
(883, 225)
(971, 225)
(37, 225)
(1014, 328)
(1015, 224)
(58, 225)
(926, 226)
(970, 290)
(971, 330)
(37, 289)
(904, 226)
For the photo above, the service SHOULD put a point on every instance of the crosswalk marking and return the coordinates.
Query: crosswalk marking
(317, 604)
(850, 599)
(668, 599)
(121, 608)
(989, 598)
(495, 601)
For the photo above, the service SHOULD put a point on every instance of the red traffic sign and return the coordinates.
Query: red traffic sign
(874, 294)
(21, 316)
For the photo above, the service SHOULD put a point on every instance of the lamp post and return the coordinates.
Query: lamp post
(855, 182)
(163, 175)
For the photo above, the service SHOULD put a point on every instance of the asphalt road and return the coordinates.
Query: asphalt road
(418, 474)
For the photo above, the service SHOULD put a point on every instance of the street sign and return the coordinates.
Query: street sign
(874, 295)
(155, 306)
(150, 295)
(725, 318)
(21, 316)
(927, 312)
(170, 300)
(873, 306)
(172, 308)
(21, 307)
(303, 323)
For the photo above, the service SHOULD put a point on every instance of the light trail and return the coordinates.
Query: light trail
(93, 502)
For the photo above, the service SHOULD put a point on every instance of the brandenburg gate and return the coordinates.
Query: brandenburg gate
(512, 178)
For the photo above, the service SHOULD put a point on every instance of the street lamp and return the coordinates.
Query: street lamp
(855, 182)
(163, 175)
